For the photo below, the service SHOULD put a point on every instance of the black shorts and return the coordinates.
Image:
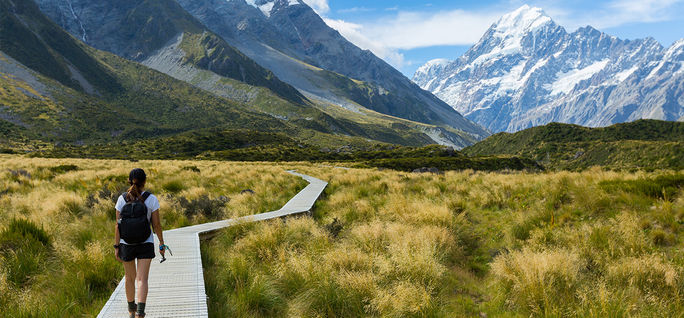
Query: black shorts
(128, 253)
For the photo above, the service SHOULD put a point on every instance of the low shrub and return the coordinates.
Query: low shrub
(63, 169)
(173, 186)
(24, 248)
(192, 168)
(661, 187)
(211, 208)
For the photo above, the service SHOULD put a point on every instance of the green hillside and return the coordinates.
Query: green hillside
(250, 145)
(639, 144)
(75, 94)
(209, 52)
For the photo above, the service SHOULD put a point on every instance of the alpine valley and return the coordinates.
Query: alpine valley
(528, 71)
(239, 51)
(132, 70)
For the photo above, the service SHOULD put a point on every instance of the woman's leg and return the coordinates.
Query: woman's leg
(141, 279)
(129, 269)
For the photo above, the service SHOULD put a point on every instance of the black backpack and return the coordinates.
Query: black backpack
(134, 227)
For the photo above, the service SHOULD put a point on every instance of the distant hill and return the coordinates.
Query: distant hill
(56, 89)
(639, 144)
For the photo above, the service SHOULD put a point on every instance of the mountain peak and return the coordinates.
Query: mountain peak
(267, 6)
(522, 20)
(677, 45)
(435, 62)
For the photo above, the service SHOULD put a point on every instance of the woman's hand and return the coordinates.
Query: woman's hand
(116, 254)
(162, 250)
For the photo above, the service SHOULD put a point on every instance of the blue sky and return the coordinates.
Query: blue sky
(408, 33)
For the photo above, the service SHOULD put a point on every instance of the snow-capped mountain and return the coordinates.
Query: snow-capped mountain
(527, 70)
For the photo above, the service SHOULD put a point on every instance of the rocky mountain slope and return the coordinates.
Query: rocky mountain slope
(57, 89)
(160, 34)
(54, 89)
(289, 38)
(527, 70)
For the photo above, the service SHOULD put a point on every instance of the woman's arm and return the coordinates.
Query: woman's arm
(156, 225)
(117, 236)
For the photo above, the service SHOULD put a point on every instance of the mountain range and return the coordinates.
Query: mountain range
(286, 49)
(526, 71)
(94, 71)
(129, 70)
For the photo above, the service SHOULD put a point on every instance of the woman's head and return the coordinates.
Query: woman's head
(136, 179)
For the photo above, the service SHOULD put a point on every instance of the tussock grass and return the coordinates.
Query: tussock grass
(57, 217)
(462, 244)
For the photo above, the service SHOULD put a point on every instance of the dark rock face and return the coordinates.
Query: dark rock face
(131, 29)
(273, 32)
(137, 29)
(527, 71)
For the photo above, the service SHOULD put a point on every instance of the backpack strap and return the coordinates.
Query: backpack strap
(125, 197)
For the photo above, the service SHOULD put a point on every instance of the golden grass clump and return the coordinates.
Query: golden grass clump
(404, 299)
(649, 274)
(538, 281)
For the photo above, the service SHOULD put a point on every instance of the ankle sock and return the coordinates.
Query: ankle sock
(132, 307)
(141, 309)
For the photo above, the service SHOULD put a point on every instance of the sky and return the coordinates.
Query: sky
(408, 33)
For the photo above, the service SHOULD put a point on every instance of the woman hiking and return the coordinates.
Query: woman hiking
(135, 211)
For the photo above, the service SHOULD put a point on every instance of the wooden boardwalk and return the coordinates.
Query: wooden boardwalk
(176, 287)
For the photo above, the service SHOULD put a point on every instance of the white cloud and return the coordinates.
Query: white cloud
(405, 30)
(643, 10)
(410, 30)
(320, 6)
(353, 32)
(615, 13)
(355, 10)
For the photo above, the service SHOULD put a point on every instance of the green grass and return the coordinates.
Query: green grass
(25, 248)
(664, 187)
